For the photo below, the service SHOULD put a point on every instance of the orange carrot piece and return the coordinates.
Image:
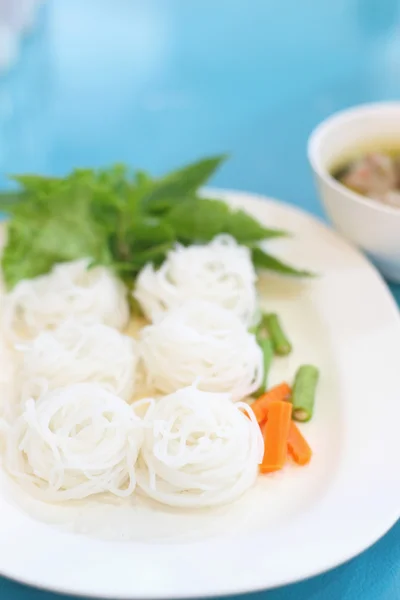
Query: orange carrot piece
(263, 425)
(297, 445)
(260, 406)
(276, 433)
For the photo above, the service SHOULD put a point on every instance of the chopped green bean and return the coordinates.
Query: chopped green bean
(280, 342)
(268, 353)
(303, 393)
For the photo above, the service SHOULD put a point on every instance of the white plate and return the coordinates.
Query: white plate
(299, 522)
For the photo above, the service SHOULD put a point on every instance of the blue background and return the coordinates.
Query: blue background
(158, 83)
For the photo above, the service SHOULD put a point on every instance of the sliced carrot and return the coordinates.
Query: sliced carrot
(262, 427)
(276, 433)
(297, 445)
(260, 406)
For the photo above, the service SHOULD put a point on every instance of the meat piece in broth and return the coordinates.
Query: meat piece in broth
(373, 175)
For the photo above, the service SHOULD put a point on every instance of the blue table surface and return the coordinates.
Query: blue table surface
(157, 83)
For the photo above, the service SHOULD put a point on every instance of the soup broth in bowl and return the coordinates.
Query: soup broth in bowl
(373, 172)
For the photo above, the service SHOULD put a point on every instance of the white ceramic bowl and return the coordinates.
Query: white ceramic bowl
(372, 226)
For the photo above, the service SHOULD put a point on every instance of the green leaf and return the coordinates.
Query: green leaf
(19, 260)
(155, 255)
(143, 178)
(144, 237)
(263, 260)
(9, 201)
(245, 229)
(198, 220)
(178, 185)
(120, 218)
(32, 189)
(201, 219)
(61, 230)
(149, 232)
(34, 183)
(188, 179)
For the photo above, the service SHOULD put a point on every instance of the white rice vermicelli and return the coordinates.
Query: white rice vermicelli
(79, 352)
(70, 290)
(74, 442)
(199, 449)
(221, 272)
(201, 342)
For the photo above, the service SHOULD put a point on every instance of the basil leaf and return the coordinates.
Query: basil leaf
(263, 260)
(201, 219)
(120, 218)
(178, 185)
(62, 230)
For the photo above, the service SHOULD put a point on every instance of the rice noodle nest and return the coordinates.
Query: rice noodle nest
(221, 272)
(78, 352)
(203, 342)
(199, 449)
(70, 290)
(74, 442)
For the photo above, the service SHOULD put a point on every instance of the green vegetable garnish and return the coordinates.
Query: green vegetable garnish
(280, 341)
(263, 260)
(303, 394)
(201, 219)
(120, 219)
(268, 354)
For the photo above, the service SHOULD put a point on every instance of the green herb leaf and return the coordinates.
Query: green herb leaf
(121, 219)
(9, 200)
(142, 241)
(36, 183)
(61, 229)
(263, 260)
(201, 219)
(155, 255)
(178, 185)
